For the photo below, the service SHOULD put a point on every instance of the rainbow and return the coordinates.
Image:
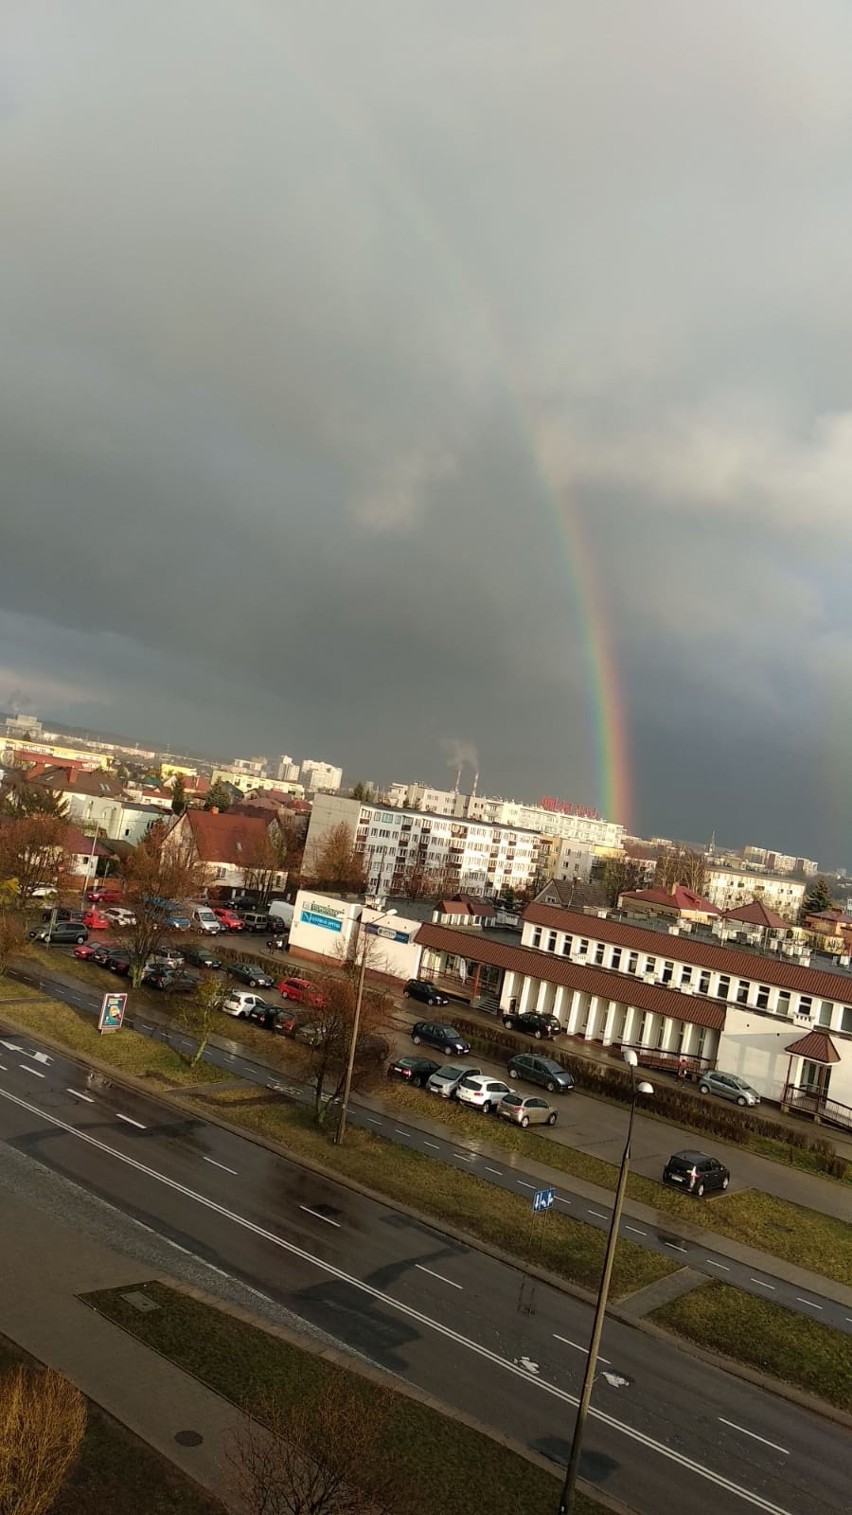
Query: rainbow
(605, 698)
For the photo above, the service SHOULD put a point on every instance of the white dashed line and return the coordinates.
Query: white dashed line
(374, 1120)
(440, 1276)
(498, 1171)
(525, 1185)
(327, 1218)
(466, 1157)
(27, 1069)
(761, 1284)
(808, 1302)
(674, 1246)
(753, 1434)
(636, 1230)
(578, 1348)
(400, 1132)
(601, 1214)
(213, 1163)
(436, 1145)
(126, 1118)
(3, 1068)
(77, 1095)
(712, 1263)
(561, 1201)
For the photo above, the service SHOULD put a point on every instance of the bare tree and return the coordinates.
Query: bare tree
(338, 864)
(13, 938)
(200, 1012)
(680, 865)
(157, 874)
(324, 1454)
(328, 1035)
(267, 860)
(32, 850)
(42, 1422)
(618, 875)
(417, 882)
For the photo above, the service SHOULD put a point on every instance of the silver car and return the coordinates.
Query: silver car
(527, 1110)
(447, 1079)
(729, 1086)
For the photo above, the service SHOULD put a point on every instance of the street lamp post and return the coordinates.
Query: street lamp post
(356, 1022)
(566, 1502)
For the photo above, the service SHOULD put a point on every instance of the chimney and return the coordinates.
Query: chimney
(214, 810)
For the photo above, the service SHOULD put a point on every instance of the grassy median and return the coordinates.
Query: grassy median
(437, 1454)
(116, 1471)
(565, 1246)
(811, 1356)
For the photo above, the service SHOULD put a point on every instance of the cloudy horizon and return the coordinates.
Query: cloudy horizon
(367, 369)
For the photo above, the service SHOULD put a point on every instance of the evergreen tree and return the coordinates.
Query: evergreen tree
(218, 797)
(817, 898)
(179, 795)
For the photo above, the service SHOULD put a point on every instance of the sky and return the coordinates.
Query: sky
(389, 382)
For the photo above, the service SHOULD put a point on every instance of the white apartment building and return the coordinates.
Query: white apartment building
(423, 797)
(239, 778)
(577, 823)
(317, 775)
(481, 859)
(728, 888)
(287, 771)
(779, 862)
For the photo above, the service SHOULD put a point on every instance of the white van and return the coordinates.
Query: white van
(283, 911)
(203, 919)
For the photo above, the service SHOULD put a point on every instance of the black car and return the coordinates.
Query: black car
(268, 1016)
(696, 1173)
(63, 913)
(101, 952)
(251, 974)
(436, 1034)
(534, 1024)
(171, 981)
(414, 1070)
(117, 960)
(422, 989)
(200, 957)
(540, 1070)
(63, 931)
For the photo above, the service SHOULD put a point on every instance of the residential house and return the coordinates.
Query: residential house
(228, 847)
(678, 903)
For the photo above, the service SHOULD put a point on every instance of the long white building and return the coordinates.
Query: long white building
(569, 823)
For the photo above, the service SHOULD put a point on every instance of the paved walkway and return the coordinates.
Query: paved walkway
(44, 1267)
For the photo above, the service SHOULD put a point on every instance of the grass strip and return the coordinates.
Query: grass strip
(763, 1335)
(565, 1246)
(116, 1471)
(793, 1232)
(438, 1454)
(125, 1051)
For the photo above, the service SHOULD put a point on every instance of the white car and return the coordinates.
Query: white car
(240, 1001)
(481, 1091)
(42, 891)
(120, 916)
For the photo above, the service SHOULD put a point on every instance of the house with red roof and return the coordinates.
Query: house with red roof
(229, 848)
(679, 903)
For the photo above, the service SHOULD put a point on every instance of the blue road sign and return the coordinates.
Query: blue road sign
(543, 1199)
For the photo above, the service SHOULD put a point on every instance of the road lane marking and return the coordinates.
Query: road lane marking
(3, 1068)
(466, 1157)
(712, 1263)
(498, 1171)
(400, 1132)
(601, 1214)
(561, 1201)
(213, 1163)
(761, 1284)
(753, 1434)
(77, 1095)
(668, 1453)
(524, 1185)
(636, 1230)
(436, 1145)
(27, 1069)
(808, 1302)
(373, 1119)
(327, 1218)
(578, 1348)
(129, 1121)
(674, 1246)
(450, 1281)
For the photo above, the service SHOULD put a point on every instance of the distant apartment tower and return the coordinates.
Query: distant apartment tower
(316, 775)
(450, 852)
(579, 824)
(287, 771)
(24, 726)
(779, 862)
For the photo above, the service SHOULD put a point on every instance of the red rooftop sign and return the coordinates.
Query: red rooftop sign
(547, 802)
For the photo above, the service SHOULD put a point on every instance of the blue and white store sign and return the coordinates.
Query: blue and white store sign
(320, 913)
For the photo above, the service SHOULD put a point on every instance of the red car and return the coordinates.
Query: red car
(104, 896)
(95, 920)
(85, 949)
(228, 918)
(302, 991)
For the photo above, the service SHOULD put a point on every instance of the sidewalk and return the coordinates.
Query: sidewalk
(44, 1266)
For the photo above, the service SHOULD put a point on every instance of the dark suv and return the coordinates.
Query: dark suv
(539, 1026)
(422, 989)
(63, 931)
(696, 1173)
(541, 1070)
(435, 1034)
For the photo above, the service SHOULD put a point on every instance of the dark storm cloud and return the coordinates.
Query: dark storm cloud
(301, 302)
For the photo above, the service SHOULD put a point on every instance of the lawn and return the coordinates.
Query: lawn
(124, 1050)
(797, 1234)
(764, 1335)
(118, 1472)
(245, 1364)
(567, 1247)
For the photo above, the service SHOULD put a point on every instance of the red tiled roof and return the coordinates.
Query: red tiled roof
(755, 913)
(78, 844)
(465, 904)
(679, 898)
(691, 949)
(622, 987)
(817, 1046)
(223, 838)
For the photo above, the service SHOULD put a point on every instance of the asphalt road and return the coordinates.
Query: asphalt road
(507, 1172)
(471, 1330)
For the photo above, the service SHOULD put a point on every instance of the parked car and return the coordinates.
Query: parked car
(99, 895)
(302, 990)
(63, 913)
(95, 920)
(117, 961)
(696, 1172)
(239, 1002)
(165, 957)
(413, 1070)
(201, 957)
(532, 1024)
(172, 980)
(228, 918)
(120, 916)
(482, 1091)
(202, 918)
(255, 920)
(101, 951)
(448, 1077)
(251, 974)
(423, 989)
(42, 892)
(729, 1086)
(540, 1070)
(437, 1034)
(84, 950)
(273, 1018)
(61, 932)
(527, 1110)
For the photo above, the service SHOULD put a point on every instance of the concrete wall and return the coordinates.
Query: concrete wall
(754, 1047)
